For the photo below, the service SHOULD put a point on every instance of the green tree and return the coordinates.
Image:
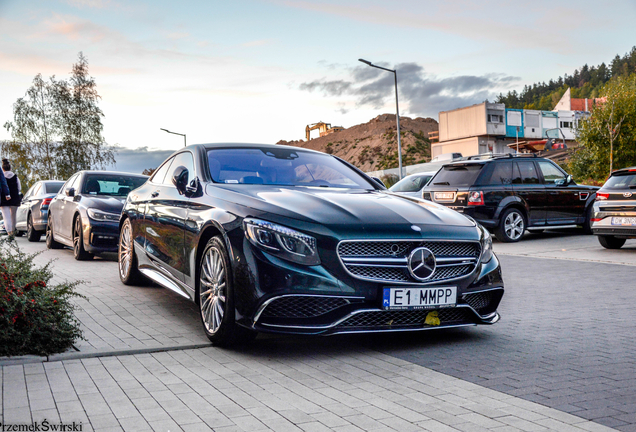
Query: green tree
(57, 128)
(607, 137)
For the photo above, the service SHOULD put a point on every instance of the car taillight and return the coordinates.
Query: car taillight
(596, 219)
(602, 196)
(476, 198)
(46, 201)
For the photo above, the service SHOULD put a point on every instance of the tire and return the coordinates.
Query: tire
(127, 259)
(587, 223)
(18, 233)
(512, 225)
(611, 242)
(215, 297)
(32, 234)
(79, 253)
(50, 240)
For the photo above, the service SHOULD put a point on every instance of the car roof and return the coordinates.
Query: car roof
(625, 170)
(210, 146)
(112, 173)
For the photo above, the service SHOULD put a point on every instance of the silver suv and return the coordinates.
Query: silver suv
(614, 218)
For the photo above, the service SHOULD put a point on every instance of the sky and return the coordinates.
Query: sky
(261, 70)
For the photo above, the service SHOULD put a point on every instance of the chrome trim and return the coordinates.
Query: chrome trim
(405, 329)
(421, 240)
(377, 260)
(163, 281)
(346, 317)
(266, 303)
(544, 227)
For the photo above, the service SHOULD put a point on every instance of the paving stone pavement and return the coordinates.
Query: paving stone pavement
(278, 383)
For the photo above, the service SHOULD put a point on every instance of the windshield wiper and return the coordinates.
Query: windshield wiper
(442, 183)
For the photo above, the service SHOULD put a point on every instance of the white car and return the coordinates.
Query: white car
(412, 185)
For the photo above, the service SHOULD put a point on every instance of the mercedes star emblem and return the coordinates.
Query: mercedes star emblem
(422, 263)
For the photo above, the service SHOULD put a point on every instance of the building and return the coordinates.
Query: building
(490, 127)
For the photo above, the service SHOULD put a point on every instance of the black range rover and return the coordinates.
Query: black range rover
(512, 193)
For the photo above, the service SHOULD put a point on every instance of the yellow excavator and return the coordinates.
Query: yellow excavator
(323, 129)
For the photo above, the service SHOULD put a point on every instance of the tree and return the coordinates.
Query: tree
(32, 149)
(57, 128)
(79, 122)
(607, 137)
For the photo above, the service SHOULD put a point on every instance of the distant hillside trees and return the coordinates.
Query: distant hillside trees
(585, 82)
(57, 128)
(608, 136)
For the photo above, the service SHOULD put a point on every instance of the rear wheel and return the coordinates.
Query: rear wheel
(128, 270)
(611, 242)
(79, 252)
(50, 240)
(32, 234)
(511, 226)
(216, 297)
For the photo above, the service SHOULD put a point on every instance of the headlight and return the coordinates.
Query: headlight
(486, 246)
(282, 242)
(99, 215)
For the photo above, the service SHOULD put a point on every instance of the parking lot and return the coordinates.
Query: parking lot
(562, 358)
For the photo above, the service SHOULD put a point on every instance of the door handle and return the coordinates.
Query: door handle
(154, 194)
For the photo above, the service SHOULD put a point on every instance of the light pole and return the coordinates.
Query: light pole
(176, 133)
(397, 111)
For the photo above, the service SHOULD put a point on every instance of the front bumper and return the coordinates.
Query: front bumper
(316, 302)
(100, 237)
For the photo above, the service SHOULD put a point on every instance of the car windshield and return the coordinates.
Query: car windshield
(282, 166)
(53, 188)
(411, 183)
(111, 185)
(621, 182)
(457, 175)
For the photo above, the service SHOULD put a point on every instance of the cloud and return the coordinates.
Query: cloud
(421, 93)
(139, 159)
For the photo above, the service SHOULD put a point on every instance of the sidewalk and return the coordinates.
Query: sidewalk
(138, 371)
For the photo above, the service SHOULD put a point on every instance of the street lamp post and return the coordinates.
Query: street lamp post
(176, 133)
(397, 111)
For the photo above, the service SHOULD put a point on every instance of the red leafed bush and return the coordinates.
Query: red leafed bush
(35, 318)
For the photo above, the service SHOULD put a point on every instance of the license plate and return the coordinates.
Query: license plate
(419, 298)
(444, 196)
(625, 221)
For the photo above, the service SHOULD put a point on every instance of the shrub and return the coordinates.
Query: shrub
(35, 318)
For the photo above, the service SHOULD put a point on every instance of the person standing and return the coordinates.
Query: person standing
(10, 201)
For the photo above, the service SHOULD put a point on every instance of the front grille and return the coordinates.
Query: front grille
(415, 318)
(480, 301)
(387, 261)
(303, 306)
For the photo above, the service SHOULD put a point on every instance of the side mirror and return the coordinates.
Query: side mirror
(180, 179)
(70, 192)
(193, 187)
(565, 181)
(569, 180)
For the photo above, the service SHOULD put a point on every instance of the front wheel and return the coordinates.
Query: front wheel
(50, 240)
(32, 234)
(587, 223)
(128, 270)
(216, 297)
(79, 252)
(511, 226)
(611, 242)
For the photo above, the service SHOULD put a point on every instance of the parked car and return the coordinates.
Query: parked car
(85, 213)
(412, 185)
(510, 194)
(270, 238)
(32, 215)
(614, 217)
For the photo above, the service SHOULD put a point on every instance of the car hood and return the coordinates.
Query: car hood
(332, 207)
(103, 203)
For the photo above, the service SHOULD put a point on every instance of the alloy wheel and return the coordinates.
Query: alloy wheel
(125, 250)
(213, 289)
(514, 225)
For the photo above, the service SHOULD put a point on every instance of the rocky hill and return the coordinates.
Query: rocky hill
(373, 145)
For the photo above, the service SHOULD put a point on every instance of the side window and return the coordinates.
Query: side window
(550, 172)
(160, 174)
(38, 189)
(68, 184)
(30, 191)
(516, 174)
(500, 173)
(76, 183)
(182, 159)
(528, 172)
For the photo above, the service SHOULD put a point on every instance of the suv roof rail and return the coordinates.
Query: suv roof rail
(485, 156)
